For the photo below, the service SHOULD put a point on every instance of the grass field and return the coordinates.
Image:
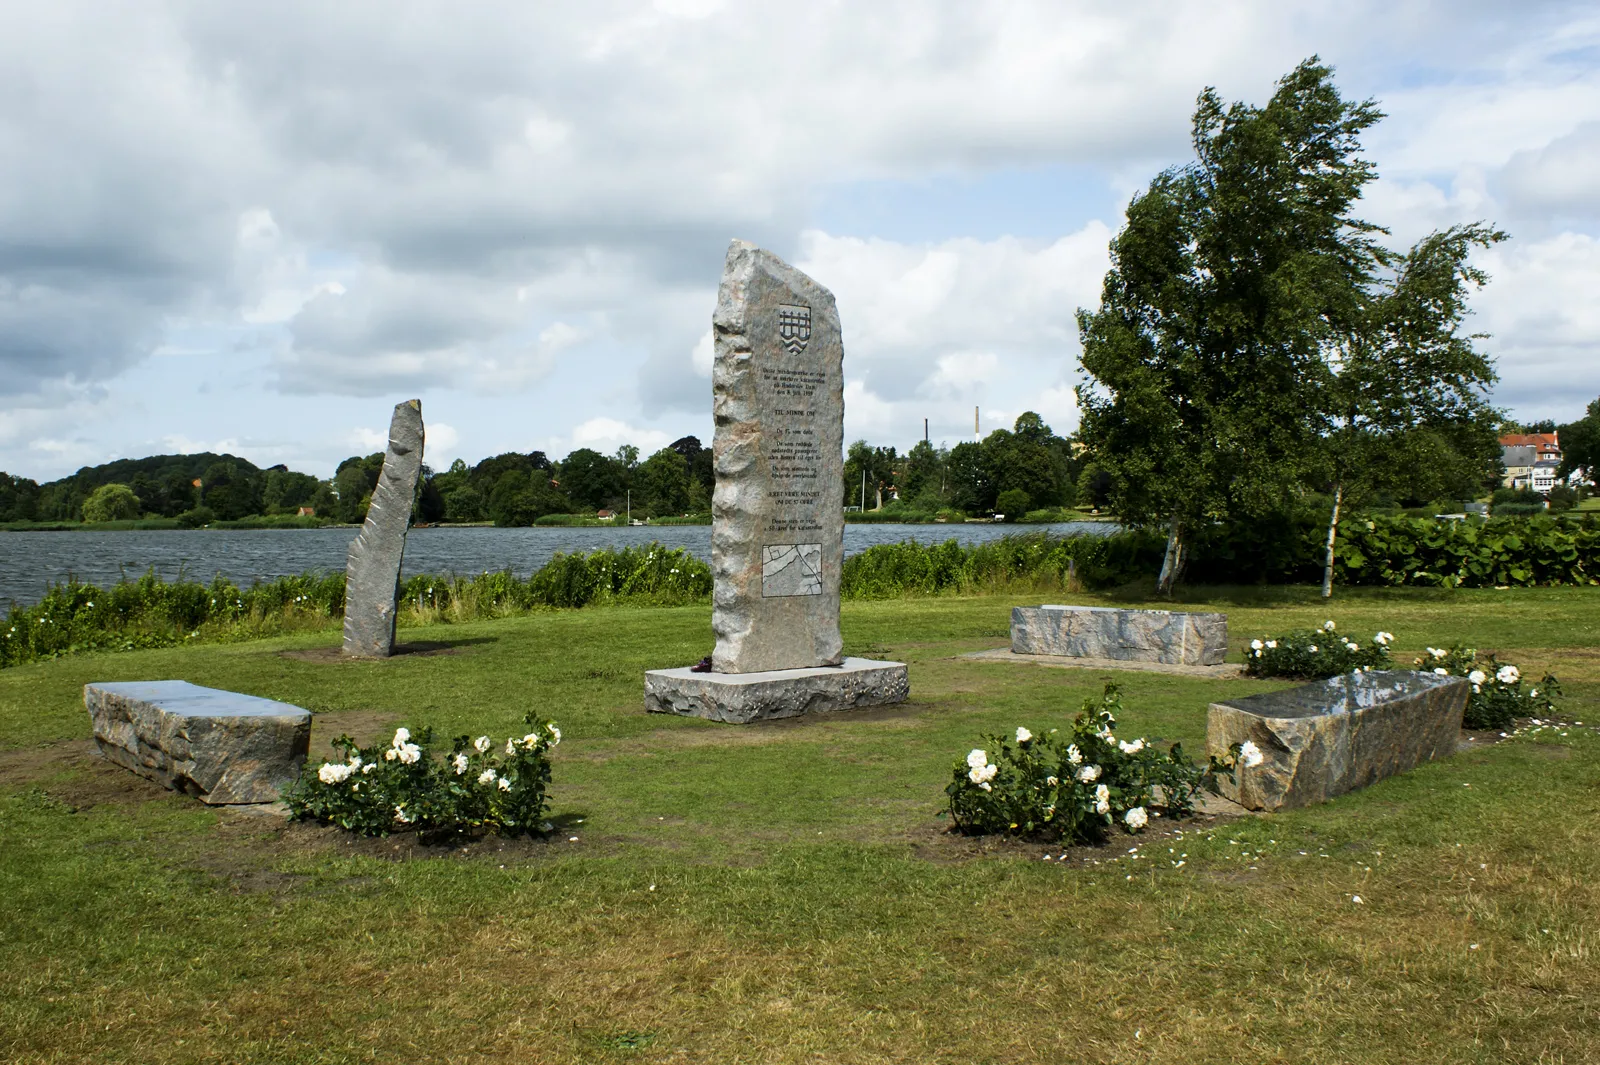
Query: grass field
(784, 892)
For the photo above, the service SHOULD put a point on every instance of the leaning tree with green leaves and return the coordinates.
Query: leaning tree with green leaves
(1231, 276)
(1406, 391)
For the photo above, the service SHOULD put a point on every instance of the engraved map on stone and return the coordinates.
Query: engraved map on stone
(791, 569)
(794, 327)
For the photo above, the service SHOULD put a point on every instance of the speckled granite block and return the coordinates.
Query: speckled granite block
(740, 698)
(218, 745)
(1169, 636)
(1336, 735)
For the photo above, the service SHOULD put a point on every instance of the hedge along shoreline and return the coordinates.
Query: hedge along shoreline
(149, 612)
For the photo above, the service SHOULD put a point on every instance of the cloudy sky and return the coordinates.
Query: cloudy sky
(255, 227)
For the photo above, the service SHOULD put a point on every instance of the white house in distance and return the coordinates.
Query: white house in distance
(1530, 460)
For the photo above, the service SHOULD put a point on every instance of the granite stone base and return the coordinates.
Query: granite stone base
(218, 745)
(1172, 637)
(740, 698)
(1336, 735)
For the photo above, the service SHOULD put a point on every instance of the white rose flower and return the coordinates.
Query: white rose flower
(400, 812)
(1477, 676)
(1074, 756)
(410, 754)
(1383, 639)
(1136, 818)
(531, 740)
(1102, 793)
(1443, 672)
(1089, 774)
(369, 767)
(977, 759)
(1272, 645)
(460, 763)
(355, 761)
(1250, 755)
(1327, 626)
(1508, 675)
(401, 737)
(505, 785)
(1023, 735)
(1313, 648)
(1052, 781)
(986, 786)
(556, 733)
(390, 755)
(1132, 748)
(486, 777)
(511, 745)
(334, 773)
(1353, 645)
(482, 743)
(1255, 645)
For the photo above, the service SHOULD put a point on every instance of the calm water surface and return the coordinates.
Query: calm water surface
(31, 561)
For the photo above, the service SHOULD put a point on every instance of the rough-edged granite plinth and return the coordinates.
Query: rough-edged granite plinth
(740, 698)
(1169, 636)
(777, 530)
(219, 745)
(372, 574)
(1336, 735)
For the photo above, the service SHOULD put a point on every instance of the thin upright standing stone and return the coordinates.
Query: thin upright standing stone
(372, 575)
(777, 535)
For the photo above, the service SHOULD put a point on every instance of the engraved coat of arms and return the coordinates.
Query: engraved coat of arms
(794, 327)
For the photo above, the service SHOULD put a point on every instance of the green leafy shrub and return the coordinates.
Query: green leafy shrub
(1013, 503)
(1498, 696)
(1314, 653)
(1538, 550)
(111, 502)
(197, 517)
(481, 788)
(1074, 786)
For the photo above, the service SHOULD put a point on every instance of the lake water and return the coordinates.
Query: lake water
(31, 561)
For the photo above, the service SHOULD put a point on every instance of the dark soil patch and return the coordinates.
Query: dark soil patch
(74, 773)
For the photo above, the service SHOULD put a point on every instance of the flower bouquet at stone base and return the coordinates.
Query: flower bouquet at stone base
(1075, 786)
(482, 787)
(1498, 696)
(1312, 654)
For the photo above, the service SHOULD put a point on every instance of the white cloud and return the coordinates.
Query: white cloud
(439, 443)
(605, 435)
(1544, 321)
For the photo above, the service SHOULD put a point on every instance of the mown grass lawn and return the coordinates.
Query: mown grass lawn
(785, 893)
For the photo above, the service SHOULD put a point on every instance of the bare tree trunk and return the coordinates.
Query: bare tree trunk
(1173, 562)
(1333, 532)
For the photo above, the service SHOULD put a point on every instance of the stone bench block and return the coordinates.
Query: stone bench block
(1168, 636)
(1336, 735)
(219, 745)
(740, 698)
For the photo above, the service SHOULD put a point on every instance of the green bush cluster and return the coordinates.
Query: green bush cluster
(1315, 653)
(1034, 560)
(1498, 696)
(1074, 786)
(481, 788)
(150, 612)
(1538, 550)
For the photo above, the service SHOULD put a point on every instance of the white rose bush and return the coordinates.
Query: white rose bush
(1311, 654)
(1499, 693)
(1074, 785)
(480, 788)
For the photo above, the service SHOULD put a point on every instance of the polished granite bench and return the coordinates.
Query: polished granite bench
(220, 746)
(1336, 735)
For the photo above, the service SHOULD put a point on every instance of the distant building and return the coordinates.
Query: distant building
(306, 512)
(605, 515)
(1519, 460)
(1545, 445)
(1543, 477)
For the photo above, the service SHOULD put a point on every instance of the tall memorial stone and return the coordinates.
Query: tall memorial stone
(372, 572)
(777, 537)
